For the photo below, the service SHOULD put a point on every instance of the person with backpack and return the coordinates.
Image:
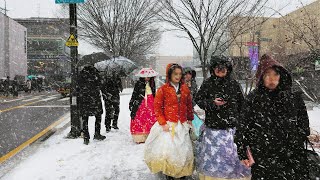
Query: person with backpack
(275, 126)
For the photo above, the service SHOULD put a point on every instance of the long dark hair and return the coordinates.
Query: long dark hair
(151, 81)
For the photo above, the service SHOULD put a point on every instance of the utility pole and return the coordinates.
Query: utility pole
(75, 118)
(5, 8)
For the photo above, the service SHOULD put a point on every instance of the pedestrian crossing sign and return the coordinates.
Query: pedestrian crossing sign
(72, 41)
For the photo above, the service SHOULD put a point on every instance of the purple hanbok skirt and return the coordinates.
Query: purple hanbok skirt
(217, 157)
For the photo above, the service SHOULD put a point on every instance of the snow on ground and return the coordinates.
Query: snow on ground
(116, 158)
(314, 117)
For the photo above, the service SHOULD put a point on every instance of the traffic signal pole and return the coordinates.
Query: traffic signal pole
(75, 115)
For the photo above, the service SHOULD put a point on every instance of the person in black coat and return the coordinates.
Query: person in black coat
(15, 87)
(274, 125)
(111, 88)
(6, 85)
(90, 101)
(220, 97)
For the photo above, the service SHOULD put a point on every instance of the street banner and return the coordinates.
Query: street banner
(254, 57)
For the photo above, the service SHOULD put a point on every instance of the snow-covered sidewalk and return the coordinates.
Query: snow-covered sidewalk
(117, 157)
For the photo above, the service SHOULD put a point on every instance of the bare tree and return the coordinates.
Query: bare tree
(120, 27)
(304, 28)
(207, 22)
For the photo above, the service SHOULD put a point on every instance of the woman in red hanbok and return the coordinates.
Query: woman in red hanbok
(142, 105)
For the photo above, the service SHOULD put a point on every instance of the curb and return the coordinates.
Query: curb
(46, 133)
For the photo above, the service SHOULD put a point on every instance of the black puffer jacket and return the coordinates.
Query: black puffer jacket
(112, 86)
(89, 92)
(226, 116)
(274, 124)
(139, 94)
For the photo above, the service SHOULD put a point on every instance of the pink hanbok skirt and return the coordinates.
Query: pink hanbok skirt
(144, 120)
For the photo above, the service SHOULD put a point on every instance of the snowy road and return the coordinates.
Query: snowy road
(116, 158)
(26, 116)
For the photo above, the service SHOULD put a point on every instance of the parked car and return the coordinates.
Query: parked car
(64, 89)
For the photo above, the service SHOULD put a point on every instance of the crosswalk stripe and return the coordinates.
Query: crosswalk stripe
(48, 99)
(27, 100)
(64, 99)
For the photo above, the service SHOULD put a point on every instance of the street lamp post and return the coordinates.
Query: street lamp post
(75, 116)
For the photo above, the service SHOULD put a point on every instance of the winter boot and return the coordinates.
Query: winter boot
(108, 129)
(99, 137)
(86, 141)
(115, 127)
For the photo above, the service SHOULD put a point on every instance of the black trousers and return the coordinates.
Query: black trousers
(85, 119)
(112, 105)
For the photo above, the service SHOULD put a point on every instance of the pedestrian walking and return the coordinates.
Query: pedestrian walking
(111, 89)
(15, 87)
(190, 80)
(142, 105)
(90, 103)
(168, 147)
(29, 86)
(275, 125)
(40, 84)
(6, 84)
(221, 97)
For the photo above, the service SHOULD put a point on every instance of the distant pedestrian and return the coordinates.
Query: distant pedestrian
(222, 99)
(40, 84)
(15, 87)
(29, 86)
(142, 105)
(90, 101)
(111, 88)
(275, 126)
(6, 84)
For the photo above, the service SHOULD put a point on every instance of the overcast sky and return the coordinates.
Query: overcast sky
(169, 45)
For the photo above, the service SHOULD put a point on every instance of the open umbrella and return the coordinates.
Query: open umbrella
(93, 58)
(31, 76)
(117, 64)
(147, 72)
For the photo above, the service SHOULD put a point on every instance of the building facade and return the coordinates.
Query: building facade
(296, 32)
(161, 62)
(13, 48)
(47, 53)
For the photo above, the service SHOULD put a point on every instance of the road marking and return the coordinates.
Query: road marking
(48, 106)
(27, 100)
(18, 107)
(48, 99)
(33, 139)
(64, 99)
(13, 100)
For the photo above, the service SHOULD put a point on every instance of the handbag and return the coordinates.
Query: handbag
(313, 162)
(196, 128)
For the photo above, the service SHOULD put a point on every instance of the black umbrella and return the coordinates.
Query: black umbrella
(93, 58)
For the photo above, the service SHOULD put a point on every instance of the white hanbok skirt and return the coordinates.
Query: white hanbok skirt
(170, 152)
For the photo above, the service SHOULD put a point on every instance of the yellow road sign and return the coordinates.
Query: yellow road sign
(72, 41)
